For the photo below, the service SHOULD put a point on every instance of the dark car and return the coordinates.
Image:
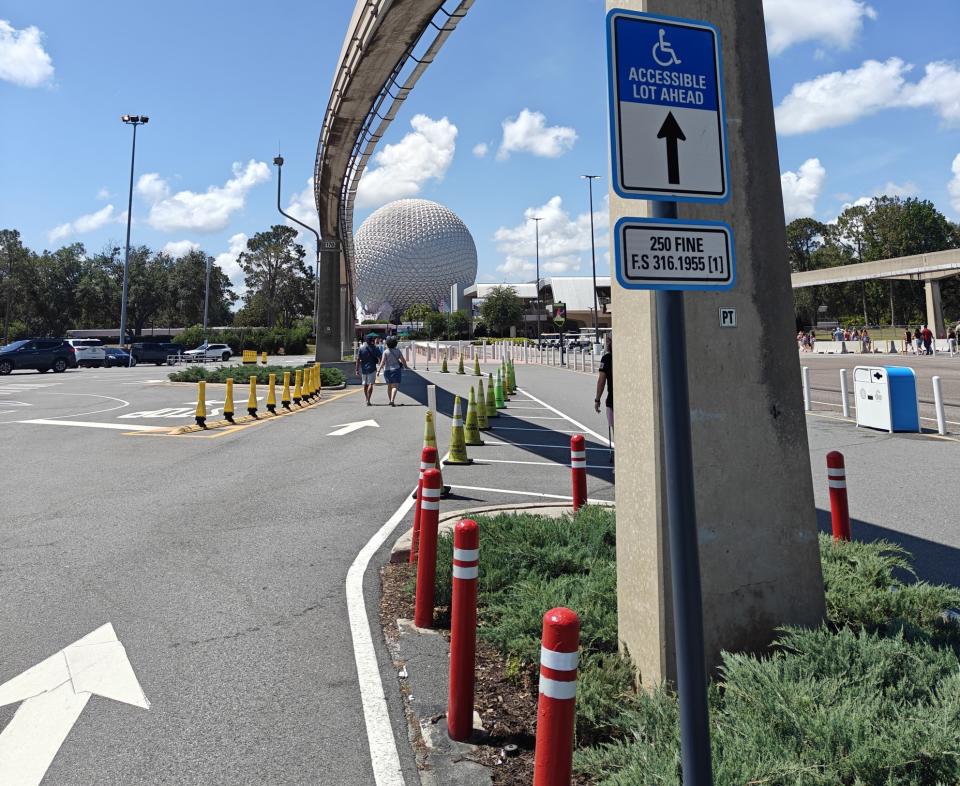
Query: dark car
(155, 352)
(41, 354)
(117, 357)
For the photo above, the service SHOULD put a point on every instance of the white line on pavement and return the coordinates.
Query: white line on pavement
(383, 746)
(534, 445)
(561, 465)
(528, 494)
(544, 417)
(92, 424)
(602, 439)
(541, 429)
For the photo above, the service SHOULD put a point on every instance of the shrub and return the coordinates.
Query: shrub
(329, 377)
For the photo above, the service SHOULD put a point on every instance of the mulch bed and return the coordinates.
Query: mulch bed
(506, 702)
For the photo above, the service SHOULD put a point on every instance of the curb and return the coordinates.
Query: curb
(400, 551)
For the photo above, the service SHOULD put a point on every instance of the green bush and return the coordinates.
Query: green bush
(329, 377)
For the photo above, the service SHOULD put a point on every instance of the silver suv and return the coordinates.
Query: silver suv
(90, 351)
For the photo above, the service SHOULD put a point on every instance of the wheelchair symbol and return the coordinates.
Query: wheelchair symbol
(663, 51)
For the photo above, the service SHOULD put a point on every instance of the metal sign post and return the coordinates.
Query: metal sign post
(668, 144)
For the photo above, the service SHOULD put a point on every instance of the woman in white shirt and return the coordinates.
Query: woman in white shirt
(392, 364)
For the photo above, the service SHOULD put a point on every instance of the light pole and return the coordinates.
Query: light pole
(133, 120)
(536, 223)
(593, 258)
(278, 161)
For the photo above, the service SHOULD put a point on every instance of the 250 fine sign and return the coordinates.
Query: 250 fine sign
(655, 254)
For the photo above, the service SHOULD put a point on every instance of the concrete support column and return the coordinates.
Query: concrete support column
(329, 327)
(756, 519)
(931, 290)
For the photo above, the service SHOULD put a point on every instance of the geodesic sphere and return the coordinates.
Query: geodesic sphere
(411, 251)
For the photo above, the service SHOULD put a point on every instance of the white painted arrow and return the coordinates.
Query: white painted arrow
(347, 428)
(54, 693)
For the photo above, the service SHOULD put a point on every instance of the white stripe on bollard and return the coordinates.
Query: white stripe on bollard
(557, 689)
(559, 661)
(836, 472)
(465, 571)
(466, 555)
(837, 484)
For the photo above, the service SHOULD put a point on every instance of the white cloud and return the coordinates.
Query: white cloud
(837, 22)
(23, 59)
(802, 188)
(227, 261)
(907, 189)
(187, 211)
(180, 248)
(953, 187)
(528, 133)
(104, 193)
(86, 223)
(480, 150)
(564, 240)
(403, 168)
(839, 98)
(152, 187)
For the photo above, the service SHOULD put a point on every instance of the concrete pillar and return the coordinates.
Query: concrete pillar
(756, 517)
(931, 289)
(329, 319)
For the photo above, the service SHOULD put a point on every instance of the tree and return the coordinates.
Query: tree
(50, 284)
(417, 313)
(805, 236)
(501, 309)
(12, 259)
(187, 282)
(272, 264)
(458, 323)
(436, 324)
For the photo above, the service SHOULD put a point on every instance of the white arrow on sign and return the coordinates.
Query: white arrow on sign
(347, 428)
(54, 693)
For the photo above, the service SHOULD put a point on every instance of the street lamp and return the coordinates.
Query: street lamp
(278, 161)
(132, 120)
(206, 297)
(593, 258)
(536, 222)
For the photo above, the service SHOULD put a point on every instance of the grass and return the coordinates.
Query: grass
(870, 698)
(329, 377)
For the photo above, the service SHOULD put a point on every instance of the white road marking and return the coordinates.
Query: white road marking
(54, 693)
(529, 494)
(534, 445)
(349, 428)
(560, 464)
(121, 405)
(383, 746)
(544, 417)
(91, 424)
(590, 431)
(541, 430)
(828, 404)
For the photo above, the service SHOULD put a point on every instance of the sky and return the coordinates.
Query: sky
(500, 128)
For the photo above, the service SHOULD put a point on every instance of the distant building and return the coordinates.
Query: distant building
(575, 291)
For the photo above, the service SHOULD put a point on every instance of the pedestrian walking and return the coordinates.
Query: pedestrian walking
(918, 340)
(907, 341)
(813, 341)
(392, 365)
(605, 379)
(952, 340)
(927, 340)
(864, 341)
(368, 358)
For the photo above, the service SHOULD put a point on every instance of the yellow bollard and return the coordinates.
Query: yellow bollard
(285, 396)
(476, 366)
(460, 366)
(201, 415)
(252, 399)
(298, 387)
(491, 399)
(272, 394)
(228, 401)
(263, 358)
(307, 391)
(430, 436)
(471, 429)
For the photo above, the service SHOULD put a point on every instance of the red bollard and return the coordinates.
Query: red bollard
(428, 459)
(463, 629)
(427, 558)
(837, 480)
(578, 471)
(556, 710)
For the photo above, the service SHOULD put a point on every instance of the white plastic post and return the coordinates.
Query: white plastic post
(484, 350)
(592, 356)
(938, 405)
(843, 393)
(432, 401)
(805, 373)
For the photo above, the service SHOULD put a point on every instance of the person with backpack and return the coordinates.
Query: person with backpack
(392, 364)
(368, 358)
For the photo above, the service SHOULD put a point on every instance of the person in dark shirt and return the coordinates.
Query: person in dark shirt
(605, 379)
(368, 358)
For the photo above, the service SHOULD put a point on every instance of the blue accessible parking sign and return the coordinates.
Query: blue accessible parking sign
(666, 108)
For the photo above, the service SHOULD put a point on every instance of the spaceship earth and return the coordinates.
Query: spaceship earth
(408, 252)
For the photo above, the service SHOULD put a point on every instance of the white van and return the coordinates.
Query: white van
(90, 351)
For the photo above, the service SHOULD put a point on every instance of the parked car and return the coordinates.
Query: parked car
(41, 354)
(156, 352)
(118, 357)
(209, 352)
(90, 351)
